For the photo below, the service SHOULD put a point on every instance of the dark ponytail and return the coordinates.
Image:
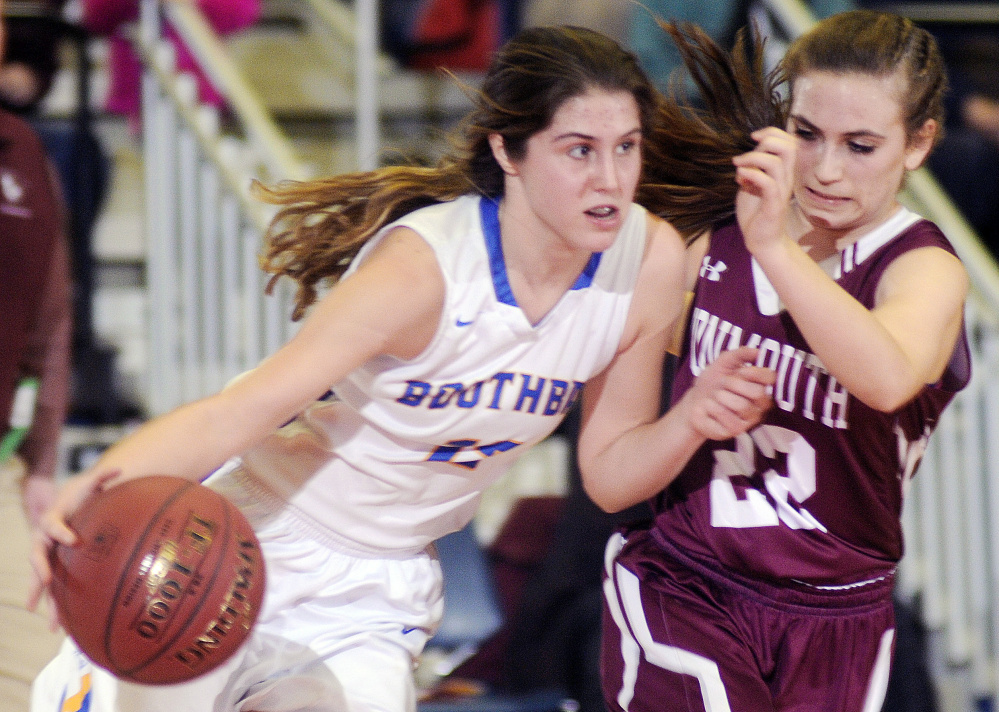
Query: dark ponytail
(688, 177)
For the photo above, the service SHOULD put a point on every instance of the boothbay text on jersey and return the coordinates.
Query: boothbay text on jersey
(557, 395)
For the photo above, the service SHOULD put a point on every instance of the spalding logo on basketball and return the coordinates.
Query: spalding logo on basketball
(165, 582)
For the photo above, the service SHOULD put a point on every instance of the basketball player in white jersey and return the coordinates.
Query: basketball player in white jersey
(472, 302)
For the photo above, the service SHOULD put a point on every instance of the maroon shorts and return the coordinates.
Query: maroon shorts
(678, 636)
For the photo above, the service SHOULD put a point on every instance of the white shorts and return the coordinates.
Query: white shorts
(338, 633)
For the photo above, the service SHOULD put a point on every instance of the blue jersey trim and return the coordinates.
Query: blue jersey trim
(585, 278)
(489, 213)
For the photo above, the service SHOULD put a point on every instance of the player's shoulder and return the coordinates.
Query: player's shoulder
(929, 263)
(664, 249)
(660, 279)
(919, 245)
(662, 236)
(405, 248)
(447, 225)
(442, 215)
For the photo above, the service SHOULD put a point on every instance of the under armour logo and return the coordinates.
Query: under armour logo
(712, 271)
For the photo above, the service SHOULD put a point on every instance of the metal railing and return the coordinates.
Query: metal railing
(208, 317)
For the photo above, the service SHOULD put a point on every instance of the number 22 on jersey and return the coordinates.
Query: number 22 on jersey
(786, 491)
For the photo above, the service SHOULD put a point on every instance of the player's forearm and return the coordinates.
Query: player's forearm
(640, 463)
(40, 449)
(47, 356)
(189, 442)
(846, 337)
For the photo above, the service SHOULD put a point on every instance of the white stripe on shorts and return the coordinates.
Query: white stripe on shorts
(667, 657)
(878, 685)
(629, 648)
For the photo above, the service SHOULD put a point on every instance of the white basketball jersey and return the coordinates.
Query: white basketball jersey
(400, 454)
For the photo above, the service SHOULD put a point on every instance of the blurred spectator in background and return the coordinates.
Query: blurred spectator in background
(459, 35)
(982, 113)
(113, 18)
(37, 32)
(35, 300)
(35, 329)
(32, 53)
(966, 161)
(35, 303)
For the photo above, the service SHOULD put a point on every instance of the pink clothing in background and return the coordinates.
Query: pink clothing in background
(107, 18)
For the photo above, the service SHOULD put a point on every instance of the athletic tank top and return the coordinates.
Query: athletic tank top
(813, 493)
(401, 453)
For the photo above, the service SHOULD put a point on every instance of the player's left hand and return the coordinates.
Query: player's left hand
(765, 176)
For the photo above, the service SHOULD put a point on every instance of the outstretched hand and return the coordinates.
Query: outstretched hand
(730, 396)
(53, 528)
(765, 176)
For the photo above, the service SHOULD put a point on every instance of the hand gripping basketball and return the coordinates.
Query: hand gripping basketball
(164, 583)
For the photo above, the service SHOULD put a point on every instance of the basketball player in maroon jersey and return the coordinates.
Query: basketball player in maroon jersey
(764, 581)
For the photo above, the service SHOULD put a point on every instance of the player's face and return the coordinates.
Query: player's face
(579, 175)
(852, 149)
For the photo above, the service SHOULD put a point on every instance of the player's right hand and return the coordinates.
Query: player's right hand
(765, 176)
(53, 528)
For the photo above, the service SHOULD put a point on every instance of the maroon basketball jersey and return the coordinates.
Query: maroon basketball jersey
(814, 492)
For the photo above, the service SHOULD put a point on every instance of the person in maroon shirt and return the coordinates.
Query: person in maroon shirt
(764, 581)
(36, 307)
(31, 57)
(35, 335)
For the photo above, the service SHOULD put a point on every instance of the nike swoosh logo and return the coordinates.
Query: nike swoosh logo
(459, 322)
(407, 631)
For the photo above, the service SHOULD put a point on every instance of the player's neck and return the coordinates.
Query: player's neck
(540, 267)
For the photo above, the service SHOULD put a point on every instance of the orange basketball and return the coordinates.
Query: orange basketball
(164, 584)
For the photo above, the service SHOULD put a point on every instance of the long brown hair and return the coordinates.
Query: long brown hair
(689, 178)
(322, 224)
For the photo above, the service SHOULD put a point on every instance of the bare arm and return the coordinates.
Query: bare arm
(627, 453)
(48, 354)
(883, 356)
(391, 305)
